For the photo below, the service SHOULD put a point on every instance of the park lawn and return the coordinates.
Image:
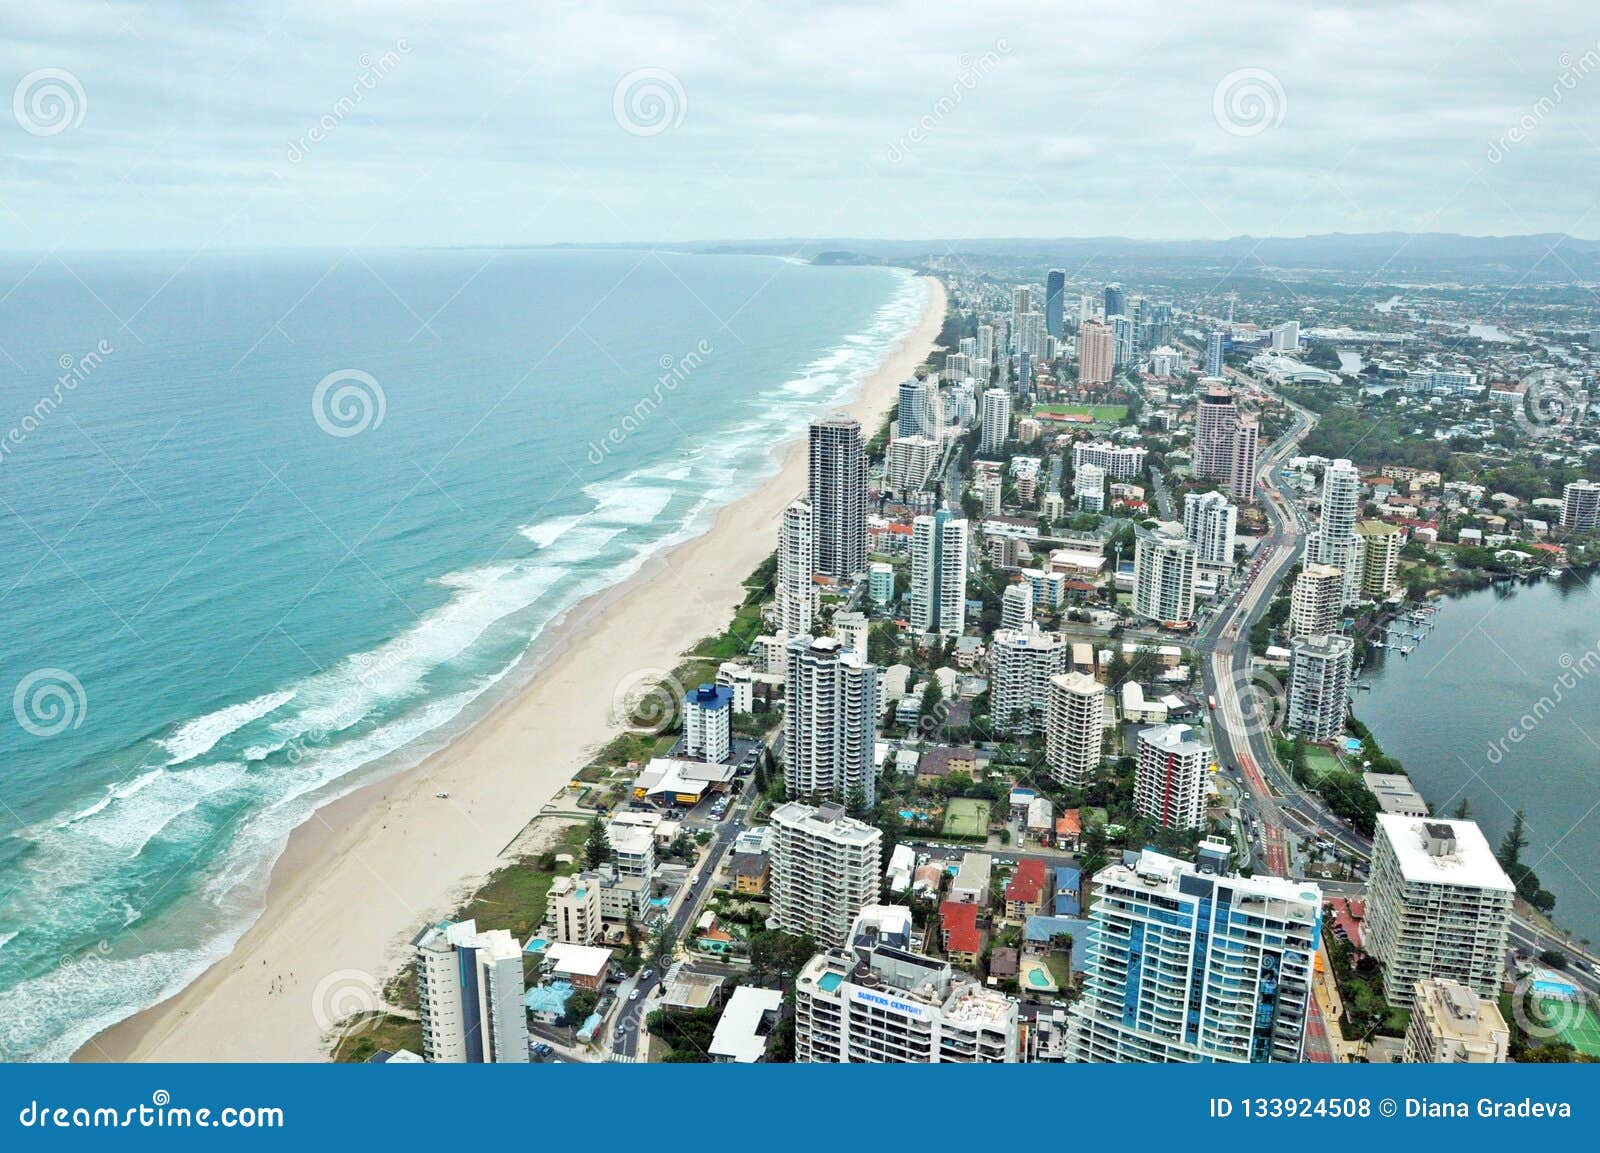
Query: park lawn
(375, 1031)
(517, 896)
(1060, 966)
(1105, 413)
(1320, 762)
(966, 817)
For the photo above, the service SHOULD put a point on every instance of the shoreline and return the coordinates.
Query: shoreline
(363, 872)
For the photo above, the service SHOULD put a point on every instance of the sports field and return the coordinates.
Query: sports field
(1320, 761)
(1108, 413)
(966, 817)
(1583, 1034)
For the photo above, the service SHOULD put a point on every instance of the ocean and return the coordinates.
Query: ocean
(1500, 705)
(274, 524)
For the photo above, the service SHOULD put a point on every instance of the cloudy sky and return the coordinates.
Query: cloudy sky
(334, 122)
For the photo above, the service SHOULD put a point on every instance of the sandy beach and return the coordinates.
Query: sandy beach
(360, 877)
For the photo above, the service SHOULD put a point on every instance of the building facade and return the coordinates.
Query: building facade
(938, 574)
(826, 867)
(830, 721)
(1075, 728)
(838, 492)
(1172, 778)
(469, 994)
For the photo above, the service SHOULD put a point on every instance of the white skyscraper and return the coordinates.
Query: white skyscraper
(1209, 523)
(838, 492)
(909, 462)
(1187, 964)
(1335, 541)
(1439, 905)
(1172, 778)
(829, 722)
(996, 420)
(1089, 488)
(1315, 601)
(918, 414)
(938, 574)
(1075, 728)
(1021, 663)
(1580, 506)
(469, 994)
(1016, 606)
(1319, 685)
(708, 723)
(796, 595)
(825, 867)
(1164, 563)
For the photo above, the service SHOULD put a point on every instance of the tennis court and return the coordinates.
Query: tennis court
(1583, 1034)
(966, 817)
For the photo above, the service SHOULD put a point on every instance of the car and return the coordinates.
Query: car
(634, 995)
(647, 974)
(542, 1049)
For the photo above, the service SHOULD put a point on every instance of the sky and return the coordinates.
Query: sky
(190, 126)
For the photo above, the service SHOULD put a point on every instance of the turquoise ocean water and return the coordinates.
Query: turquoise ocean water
(272, 524)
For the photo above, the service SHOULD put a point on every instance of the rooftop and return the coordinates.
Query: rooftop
(1432, 850)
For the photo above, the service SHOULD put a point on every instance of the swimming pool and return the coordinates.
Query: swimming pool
(1040, 979)
(829, 982)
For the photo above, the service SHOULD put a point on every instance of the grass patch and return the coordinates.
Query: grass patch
(516, 896)
(1105, 413)
(1320, 762)
(375, 1031)
(1060, 966)
(966, 817)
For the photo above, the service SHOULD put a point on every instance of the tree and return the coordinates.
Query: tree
(597, 849)
(663, 942)
(1516, 839)
(1463, 810)
(932, 699)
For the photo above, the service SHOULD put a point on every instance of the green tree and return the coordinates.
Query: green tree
(1516, 839)
(663, 943)
(597, 849)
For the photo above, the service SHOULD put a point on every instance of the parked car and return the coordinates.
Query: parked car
(633, 996)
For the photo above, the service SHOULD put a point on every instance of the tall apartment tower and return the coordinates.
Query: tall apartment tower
(838, 497)
(1580, 506)
(1172, 777)
(1021, 305)
(1242, 465)
(1334, 542)
(1209, 523)
(1116, 301)
(796, 596)
(1164, 563)
(877, 1000)
(1187, 964)
(826, 867)
(996, 420)
(1097, 353)
(1439, 905)
(708, 723)
(1315, 601)
(1226, 442)
(1055, 287)
(918, 412)
(469, 994)
(1075, 728)
(1452, 1025)
(1380, 558)
(1319, 685)
(1021, 663)
(986, 343)
(1214, 354)
(938, 574)
(829, 722)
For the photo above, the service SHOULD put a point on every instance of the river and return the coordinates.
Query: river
(1501, 704)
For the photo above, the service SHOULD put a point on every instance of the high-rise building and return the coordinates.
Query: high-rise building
(1242, 465)
(826, 867)
(1021, 663)
(1334, 542)
(1075, 728)
(1021, 304)
(1209, 522)
(938, 574)
(1315, 601)
(918, 412)
(1164, 563)
(1452, 1025)
(795, 598)
(1439, 905)
(1580, 506)
(469, 994)
(1089, 488)
(1319, 685)
(985, 344)
(1122, 350)
(1380, 558)
(1172, 777)
(1120, 461)
(996, 420)
(1097, 353)
(909, 462)
(875, 1000)
(1214, 354)
(1055, 287)
(573, 910)
(1116, 301)
(880, 582)
(1286, 337)
(1187, 964)
(838, 491)
(829, 721)
(708, 723)
(1226, 442)
(1016, 606)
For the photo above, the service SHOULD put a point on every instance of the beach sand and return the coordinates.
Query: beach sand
(359, 878)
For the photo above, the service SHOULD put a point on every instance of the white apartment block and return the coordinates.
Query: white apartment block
(1452, 1025)
(1120, 461)
(996, 420)
(708, 723)
(1089, 488)
(877, 1001)
(1319, 685)
(909, 461)
(1021, 663)
(830, 721)
(1210, 522)
(1439, 905)
(573, 913)
(1075, 728)
(1315, 601)
(469, 994)
(838, 490)
(1172, 778)
(1164, 564)
(1380, 558)
(1580, 506)
(826, 867)
(938, 575)
(1187, 964)
(1016, 606)
(796, 596)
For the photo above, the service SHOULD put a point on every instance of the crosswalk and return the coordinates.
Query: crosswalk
(622, 1059)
